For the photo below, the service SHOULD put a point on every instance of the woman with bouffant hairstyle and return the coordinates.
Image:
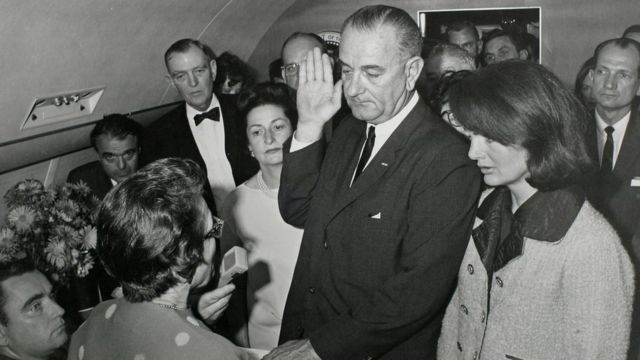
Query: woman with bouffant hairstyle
(544, 275)
(155, 237)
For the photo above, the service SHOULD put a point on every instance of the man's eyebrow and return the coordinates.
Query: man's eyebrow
(31, 300)
(373, 67)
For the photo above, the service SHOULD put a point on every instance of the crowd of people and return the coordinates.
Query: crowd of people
(394, 203)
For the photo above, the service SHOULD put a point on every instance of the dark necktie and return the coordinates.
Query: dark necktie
(606, 165)
(213, 114)
(366, 152)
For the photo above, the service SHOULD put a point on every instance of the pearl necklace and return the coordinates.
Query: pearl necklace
(272, 193)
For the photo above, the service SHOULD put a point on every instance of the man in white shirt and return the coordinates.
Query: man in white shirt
(383, 204)
(116, 140)
(204, 129)
(615, 190)
(616, 82)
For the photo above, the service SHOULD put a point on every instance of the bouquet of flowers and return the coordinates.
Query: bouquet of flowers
(55, 227)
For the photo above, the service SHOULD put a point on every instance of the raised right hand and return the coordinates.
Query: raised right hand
(318, 98)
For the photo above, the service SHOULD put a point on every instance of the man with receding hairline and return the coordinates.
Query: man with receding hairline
(616, 188)
(294, 51)
(632, 32)
(441, 59)
(386, 206)
(205, 128)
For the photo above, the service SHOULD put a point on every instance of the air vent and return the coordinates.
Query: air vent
(62, 107)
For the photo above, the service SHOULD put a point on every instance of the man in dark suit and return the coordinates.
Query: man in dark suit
(205, 128)
(616, 82)
(294, 50)
(615, 191)
(387, 206)
(115, 139)
(31, 322)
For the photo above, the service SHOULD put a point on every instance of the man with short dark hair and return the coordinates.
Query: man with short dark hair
(116, 140)
(386, 206)
(205, 128)
(501, 45)
(31, 323)
(465, 35)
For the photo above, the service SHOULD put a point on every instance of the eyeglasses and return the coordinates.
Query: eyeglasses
(290, 69)
(448, 116)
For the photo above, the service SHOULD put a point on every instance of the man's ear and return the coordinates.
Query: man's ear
(523, 54)
(412, 70)
(169, 80)
(214, 69)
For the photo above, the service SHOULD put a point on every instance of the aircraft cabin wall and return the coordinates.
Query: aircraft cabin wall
(570, 29)
(52, 48)
(61, 47)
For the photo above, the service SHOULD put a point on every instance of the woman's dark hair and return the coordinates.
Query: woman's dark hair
(519, 102)
(439, 95)
(266, 93)
(151, 228)
(588, 65)
(232, 67)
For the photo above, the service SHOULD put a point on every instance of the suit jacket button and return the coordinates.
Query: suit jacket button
(326, 245)
(312, 289)
(499, 281)
(470, 269)
(464, 309)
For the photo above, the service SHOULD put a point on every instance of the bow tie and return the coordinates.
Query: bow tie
(213, 114)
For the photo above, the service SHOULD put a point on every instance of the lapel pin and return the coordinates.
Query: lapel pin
(384, 164)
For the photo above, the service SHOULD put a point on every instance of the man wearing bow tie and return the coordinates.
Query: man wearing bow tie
(205, 128)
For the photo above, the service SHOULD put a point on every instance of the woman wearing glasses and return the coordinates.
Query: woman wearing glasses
(544, 275)
(155, 238)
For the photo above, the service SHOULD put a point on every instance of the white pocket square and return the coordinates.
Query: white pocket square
(635, 182)
(376, 215)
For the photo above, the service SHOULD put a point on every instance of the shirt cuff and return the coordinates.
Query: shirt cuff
(297, 145)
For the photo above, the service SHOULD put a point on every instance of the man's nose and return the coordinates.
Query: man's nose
(120, 163)
(56, 310)
(193, 80)
(610, 82)
(353, 86)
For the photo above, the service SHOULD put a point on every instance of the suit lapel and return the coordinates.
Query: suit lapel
(630, 145)
(380, 163)
(104, 183)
